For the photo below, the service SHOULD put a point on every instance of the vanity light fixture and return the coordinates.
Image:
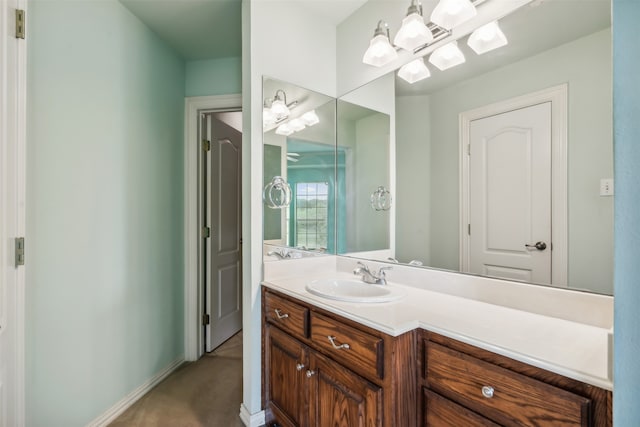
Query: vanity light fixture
(296, 125)
(310, 118)
(380, 51)
(414, 71)
(279, 106)
(451, 13)
(447, 56)
(413, 32)
(284, 129)
(486, 38)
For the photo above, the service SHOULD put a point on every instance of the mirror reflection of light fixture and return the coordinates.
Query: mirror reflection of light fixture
(279, 105)
(310, 118)
(284, 129)
(296, 125)
(414, 71)
(413, 32)
(380, 51)
(447, 56)
(486, 38)
(451, 13)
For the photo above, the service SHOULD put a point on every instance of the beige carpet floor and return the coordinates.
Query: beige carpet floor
(203, 393)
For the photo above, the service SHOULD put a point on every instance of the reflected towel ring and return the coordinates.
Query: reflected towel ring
(381, 199)
(277, 193)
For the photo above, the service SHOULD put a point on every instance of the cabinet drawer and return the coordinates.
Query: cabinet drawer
(502, 395)
(356, 349)
(441, 412)
(288, 315)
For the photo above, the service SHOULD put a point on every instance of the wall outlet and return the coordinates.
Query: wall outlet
(606, 187)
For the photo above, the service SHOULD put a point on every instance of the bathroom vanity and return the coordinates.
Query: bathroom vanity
(331, 363)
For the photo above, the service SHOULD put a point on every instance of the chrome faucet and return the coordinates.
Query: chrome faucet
(282, 253)
(369, 277)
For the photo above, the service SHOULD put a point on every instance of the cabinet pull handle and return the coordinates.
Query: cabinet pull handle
(280, 315)
(299, 366)
(338, 347)
(310, 373)
(487, 391)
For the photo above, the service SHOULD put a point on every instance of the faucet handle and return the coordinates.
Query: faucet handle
(381, 271)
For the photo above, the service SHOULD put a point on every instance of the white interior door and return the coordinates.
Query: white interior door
(12, 214)
(510, 195)
(224, 248)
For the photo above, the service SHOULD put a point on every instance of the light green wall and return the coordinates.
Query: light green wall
(586, 66)
(105, 202)
(222, 76)
(413, 182)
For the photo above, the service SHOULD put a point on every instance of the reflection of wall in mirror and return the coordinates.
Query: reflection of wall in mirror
(586, 66)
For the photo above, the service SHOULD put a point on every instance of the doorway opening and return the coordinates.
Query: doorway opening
(220, 213)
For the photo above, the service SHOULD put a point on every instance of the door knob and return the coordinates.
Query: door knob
(541, 246)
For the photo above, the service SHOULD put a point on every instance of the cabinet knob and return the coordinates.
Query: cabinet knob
(299, 366)
(487, 391)
(310, 373)
(280, 315)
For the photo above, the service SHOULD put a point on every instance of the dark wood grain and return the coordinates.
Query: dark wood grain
(517, 400)
(342, 398)
(401, 362)
(286, 387)
(600, 412)
(365, 352)
(296, 320)
(441, 412)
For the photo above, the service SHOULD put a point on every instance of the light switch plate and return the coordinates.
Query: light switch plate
(606, 187)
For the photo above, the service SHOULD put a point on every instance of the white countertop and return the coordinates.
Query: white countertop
(575, 350)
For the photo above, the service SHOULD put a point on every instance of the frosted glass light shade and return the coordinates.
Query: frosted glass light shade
(414, 71)
(279, 109)
(486, 38)
(310, 118)
(296, 125)
(284, 129)
(447, 56)
(413, 32)
(451, 13)
(380, 52)
(267, 117)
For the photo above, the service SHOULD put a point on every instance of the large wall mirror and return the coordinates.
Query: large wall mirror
(299, 170)
(533, 200)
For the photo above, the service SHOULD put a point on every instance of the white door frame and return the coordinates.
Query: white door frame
(557, 95)
(193, 280)
(13, 100)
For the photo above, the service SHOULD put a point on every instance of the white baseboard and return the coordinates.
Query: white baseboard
(112, 413)
(251, 420)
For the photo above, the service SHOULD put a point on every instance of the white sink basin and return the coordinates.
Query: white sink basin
(353, 291)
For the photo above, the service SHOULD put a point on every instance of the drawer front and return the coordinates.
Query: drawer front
(358, 350)
(288, 315)
(441, 412)
(502, 395)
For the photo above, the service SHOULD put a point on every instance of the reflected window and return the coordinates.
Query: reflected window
(310, 214)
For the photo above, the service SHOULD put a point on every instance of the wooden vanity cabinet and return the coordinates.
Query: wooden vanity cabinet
(463, 382)
(335, 372)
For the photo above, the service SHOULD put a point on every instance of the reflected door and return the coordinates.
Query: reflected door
(223, 273)
(510, 195)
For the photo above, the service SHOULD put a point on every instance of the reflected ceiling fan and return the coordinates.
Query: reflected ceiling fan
(293, 157)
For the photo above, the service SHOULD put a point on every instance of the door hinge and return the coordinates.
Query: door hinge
(206, 319)
(20, 24)
(206, 232)
(468, 149)
(469, 229)
(19, 251)
(206, 145)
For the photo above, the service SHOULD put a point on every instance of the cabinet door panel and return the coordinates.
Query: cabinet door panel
(287, 387)
(341, 398)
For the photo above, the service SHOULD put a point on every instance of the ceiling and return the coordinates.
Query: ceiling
(532, 29)
(196, 29)
(207, 29)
